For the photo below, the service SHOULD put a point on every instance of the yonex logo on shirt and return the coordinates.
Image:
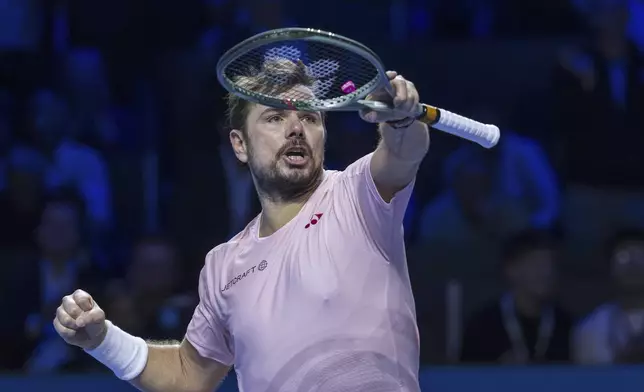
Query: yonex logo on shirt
(315, 218)
(260, 267)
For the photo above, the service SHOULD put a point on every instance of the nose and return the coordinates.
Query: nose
(294, 127)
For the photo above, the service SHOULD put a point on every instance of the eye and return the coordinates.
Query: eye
(274, 118)
(310, 118)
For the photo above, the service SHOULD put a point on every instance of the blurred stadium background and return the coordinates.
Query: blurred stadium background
(114, 177)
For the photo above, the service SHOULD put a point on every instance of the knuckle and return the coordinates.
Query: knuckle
(68, 301)
(65, 319)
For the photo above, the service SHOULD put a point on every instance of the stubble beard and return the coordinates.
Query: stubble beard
(291, 185)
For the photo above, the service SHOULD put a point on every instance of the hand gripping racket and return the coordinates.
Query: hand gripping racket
(341, 73)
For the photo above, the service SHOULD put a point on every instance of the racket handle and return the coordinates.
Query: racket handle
(487, 135)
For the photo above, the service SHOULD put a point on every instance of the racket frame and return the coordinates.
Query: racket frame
(487, 135)
(348, 102)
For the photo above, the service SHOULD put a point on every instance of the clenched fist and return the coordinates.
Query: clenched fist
(80, 321)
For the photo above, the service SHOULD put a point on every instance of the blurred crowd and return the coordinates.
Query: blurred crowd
(116, 176)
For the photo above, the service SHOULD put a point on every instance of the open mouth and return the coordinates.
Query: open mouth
(296, 156)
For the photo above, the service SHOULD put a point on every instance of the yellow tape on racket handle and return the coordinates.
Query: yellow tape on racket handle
(429, 115)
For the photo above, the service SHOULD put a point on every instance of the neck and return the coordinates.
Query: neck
(279, 208)
(275, 215)
(527, 305)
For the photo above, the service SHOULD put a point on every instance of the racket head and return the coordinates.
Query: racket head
(341, 71)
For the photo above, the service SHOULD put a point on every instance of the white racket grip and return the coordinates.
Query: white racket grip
(487, 135)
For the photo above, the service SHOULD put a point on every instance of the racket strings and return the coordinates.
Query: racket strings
(332, 74)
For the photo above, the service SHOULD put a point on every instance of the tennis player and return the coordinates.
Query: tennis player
(314, 294)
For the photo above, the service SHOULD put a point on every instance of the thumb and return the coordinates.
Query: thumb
(91, 319)
(83, 300)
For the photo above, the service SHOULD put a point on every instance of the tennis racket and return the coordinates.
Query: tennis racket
(343, 73)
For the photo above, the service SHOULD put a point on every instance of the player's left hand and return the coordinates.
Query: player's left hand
(405, 100)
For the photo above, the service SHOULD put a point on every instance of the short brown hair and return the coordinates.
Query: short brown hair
(289, 73)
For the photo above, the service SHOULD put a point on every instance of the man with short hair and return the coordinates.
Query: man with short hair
(613, 332)
(314, 293)
(526, 325)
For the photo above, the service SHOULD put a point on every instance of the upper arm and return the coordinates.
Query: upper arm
(206, 372)
(207, 332)
(359, 197)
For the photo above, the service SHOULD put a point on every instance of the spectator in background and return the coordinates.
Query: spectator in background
(599, 96)
(66, 163)
(460, 230)
(525, 175)
(149, 301)
(614, 331)
(475, 204)
(491, 195)
(37, 283)
(525, 325)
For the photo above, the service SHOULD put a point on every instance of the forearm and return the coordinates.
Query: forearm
(164, 370)
(407, 145)
(155, 366)
(398, 156)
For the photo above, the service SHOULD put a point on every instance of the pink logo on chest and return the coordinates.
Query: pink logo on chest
(315, 218)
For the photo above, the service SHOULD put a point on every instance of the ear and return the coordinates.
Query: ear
(239, 145)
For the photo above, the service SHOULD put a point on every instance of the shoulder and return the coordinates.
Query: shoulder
(358, 167)
(332, 176)
(224, 253)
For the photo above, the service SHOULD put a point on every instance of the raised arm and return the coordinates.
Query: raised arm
(404, 142)
(151, 367)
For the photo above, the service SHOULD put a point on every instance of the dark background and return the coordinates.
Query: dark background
(114, 178)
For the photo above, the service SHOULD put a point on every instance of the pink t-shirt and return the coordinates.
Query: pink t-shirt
(324, 304)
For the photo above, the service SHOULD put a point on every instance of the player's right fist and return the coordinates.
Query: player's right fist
(80, 321)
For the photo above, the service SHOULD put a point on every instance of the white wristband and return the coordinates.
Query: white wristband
(124, 354)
